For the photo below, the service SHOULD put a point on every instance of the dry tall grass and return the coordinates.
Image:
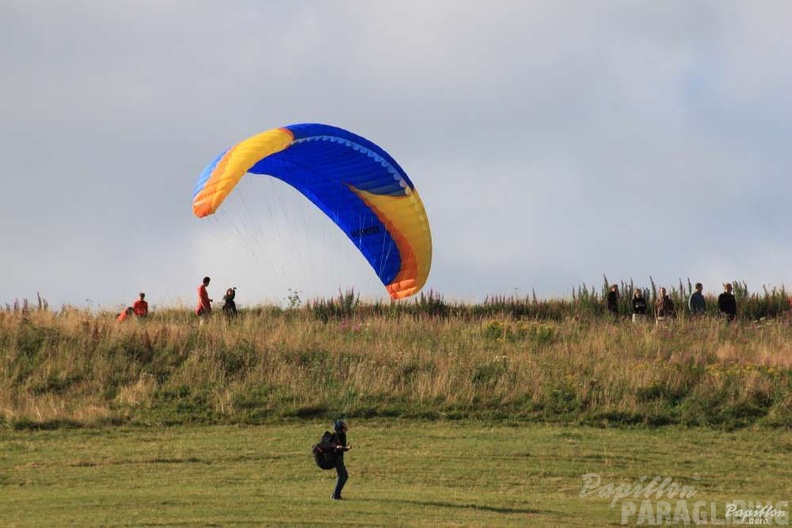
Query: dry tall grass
(78, 368)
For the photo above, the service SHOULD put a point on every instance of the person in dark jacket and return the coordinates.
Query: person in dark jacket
(339, 442)
(727, 304)
(638, 305)
(613, 301)
(697, 303)
(229, 306)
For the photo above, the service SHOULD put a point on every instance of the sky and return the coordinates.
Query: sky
(553, 143)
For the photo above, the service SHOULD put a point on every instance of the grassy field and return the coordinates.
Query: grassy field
(75, 368)
(482, 415)
(402, 473)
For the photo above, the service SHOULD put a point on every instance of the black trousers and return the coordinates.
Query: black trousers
(342, 476)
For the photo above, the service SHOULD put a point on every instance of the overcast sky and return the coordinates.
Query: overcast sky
(552, 142)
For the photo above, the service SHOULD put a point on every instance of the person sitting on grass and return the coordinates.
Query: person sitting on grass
(125, 314)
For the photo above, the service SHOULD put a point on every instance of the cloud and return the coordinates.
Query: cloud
(551, 142)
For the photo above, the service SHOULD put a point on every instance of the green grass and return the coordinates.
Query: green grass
(82, 369)
(483, 415)
(402, 473)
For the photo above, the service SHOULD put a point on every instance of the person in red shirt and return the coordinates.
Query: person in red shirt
(204, 307)
(126, 314)
(141, 306)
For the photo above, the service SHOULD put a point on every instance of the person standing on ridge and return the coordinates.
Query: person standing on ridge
(664, 306)
(613, 301)
(229, 305)
(204, 307)
(696, 302)
(141, 306)
(727, 304)
(638, 305)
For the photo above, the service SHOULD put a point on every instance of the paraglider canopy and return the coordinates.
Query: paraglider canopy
(358, 185)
